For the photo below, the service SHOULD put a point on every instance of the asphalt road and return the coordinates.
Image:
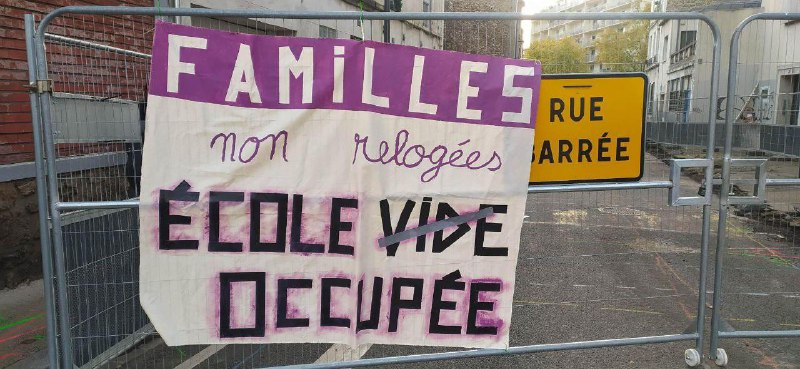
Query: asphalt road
(624, 264)
(596, 266)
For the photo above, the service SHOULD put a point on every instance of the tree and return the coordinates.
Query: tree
(623, 48)
(558, 56)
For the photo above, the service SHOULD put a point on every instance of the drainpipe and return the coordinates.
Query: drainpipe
(387, 37)
(178, 6)
(517, 25)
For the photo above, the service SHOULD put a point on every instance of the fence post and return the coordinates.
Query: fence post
(41, 194)
(724, 202)
(63, 317)
(709, 178)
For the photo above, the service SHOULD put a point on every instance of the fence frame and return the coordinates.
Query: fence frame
(717, 332)
(47, 174)
(41, 187)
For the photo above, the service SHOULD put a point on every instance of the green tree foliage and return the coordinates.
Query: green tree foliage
(558, 56)
(623, 48)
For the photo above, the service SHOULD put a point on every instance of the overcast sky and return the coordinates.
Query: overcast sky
(532, 6)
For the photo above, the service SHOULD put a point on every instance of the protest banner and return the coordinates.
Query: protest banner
(326, 190)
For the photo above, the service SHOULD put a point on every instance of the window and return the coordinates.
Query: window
(687, 38)
(680, 94)
(674, 94)
(326, 32)
(665, 49)
(789, 99)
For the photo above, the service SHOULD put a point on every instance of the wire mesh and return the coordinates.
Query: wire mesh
(605, 264)
(762, 261)
(592, 265)
(609, 263)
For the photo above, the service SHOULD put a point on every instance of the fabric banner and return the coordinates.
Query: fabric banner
(327, 190)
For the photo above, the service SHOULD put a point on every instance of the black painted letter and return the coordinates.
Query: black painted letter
(375, 305)
(475, 305)
(440, 243)
(398, 303)
(214, 198)
(325, 319)
(284, 285)
(337, 225)
(449, 282)
(180, 193)
(256, 199)
(225, 282)
(295, 245)
(386, 218)
(480, 232)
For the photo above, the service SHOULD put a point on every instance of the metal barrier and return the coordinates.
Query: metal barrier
(762, 225)
(95, 314)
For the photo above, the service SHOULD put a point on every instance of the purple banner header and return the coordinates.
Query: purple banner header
(255, 71)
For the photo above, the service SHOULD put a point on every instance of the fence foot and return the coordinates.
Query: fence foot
(721, 357)
(692, 357)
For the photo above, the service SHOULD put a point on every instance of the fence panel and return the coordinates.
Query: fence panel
(758, 215)
(601, 265)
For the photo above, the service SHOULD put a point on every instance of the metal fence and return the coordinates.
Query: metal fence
(758, 214)
(601, 265)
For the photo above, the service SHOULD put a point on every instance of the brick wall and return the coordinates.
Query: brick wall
(76, 70)
(73, 70)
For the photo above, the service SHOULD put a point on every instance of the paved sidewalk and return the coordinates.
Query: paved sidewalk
(22, 323)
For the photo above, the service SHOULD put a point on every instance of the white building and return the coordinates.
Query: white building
(426, 34)
(585, 32)
(679, 68)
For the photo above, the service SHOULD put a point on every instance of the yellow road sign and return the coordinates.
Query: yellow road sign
(589, 128)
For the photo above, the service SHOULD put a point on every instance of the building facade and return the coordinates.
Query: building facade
(585, 32)
(679, 68)
(427, 34)
(500, 38)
